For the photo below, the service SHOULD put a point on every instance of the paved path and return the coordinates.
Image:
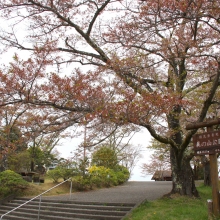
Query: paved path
(130, 192)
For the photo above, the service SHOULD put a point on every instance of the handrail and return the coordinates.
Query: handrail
(37, 197)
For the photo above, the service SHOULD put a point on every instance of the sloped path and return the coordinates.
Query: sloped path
(130, 192)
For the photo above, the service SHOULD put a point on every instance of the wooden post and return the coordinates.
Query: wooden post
(210, 208)
(215, 203)
(214, 182)
(214, 179)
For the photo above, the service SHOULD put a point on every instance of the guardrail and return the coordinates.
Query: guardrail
(40, 195)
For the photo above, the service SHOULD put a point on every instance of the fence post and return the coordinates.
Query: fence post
(38, 217)
(71, 185)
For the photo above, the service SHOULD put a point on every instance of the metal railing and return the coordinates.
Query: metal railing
(40, 195)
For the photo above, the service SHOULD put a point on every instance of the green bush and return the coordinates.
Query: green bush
(99, 175)
(105, 156)
(81, 183)
(122, 174)
(66, 173)
(96, 181)
(121, 177)
(102, 176)
(54, 174)
(60, 172)
(11, 183)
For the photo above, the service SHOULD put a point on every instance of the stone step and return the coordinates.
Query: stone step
(68, 211)
(65, 210)
(58, 216)
(15, 217)
(74, 204)
(44, 199)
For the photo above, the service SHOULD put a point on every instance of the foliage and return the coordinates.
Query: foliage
(127, 154)
(40, 157)
(96, 176)
(11, 183)
(42, 144)
(36, 154)
(65, 170)
(81, 183)
(159, 159)
(11, 142)
(11, 134)
(82, 166)
(54, 174)
(102, 176)
(105, 156)
(122, 174)
(37, 157)
(60, 172)
(154, 64)
(19, 161)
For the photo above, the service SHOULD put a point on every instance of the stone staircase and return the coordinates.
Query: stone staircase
(64, 210)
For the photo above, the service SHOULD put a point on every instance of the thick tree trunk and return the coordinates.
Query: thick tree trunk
(182, 175)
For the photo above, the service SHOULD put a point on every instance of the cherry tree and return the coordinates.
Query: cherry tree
(159, 159)
(153, 64)
(11, 139)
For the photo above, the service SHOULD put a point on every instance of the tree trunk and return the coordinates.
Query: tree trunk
(206, 169)
(182, 175)
(207, 176)
(32, 165)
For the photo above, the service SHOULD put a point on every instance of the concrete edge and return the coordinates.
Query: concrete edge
(137, 205)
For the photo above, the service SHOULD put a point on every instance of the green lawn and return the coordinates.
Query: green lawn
(175, 208)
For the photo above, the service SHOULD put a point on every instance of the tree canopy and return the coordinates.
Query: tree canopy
(153, 64)
(159, 159)
(105, 156)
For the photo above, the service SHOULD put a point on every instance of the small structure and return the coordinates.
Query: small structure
(26, 175)
(36, 176)
(162, 175)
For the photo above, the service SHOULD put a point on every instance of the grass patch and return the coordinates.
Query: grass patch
(175, 208)
(35, 189)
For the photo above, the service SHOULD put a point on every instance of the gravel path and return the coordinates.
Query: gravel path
(130, 192)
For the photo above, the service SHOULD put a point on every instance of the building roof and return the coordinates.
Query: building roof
(161, 174)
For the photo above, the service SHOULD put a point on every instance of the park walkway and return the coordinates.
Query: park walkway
(113, 203)
(129, 192)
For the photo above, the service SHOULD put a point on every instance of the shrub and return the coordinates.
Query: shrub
(105, 156)
(122, 174)
(54, 174)
(66, 173)
(11, 183)
(121, 177)
(102, 176)
(60, 172)
(81, 183)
